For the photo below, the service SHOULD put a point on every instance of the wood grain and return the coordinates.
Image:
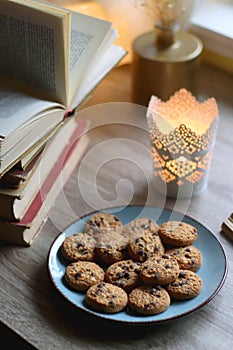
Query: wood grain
(117, 170)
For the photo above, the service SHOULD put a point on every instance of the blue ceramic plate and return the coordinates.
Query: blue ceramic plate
(213, 270)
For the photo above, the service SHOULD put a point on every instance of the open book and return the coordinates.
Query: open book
(51, 60)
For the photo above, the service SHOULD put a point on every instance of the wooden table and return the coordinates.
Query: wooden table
(117, 170)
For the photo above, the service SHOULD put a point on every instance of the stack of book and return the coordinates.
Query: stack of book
(51, 61)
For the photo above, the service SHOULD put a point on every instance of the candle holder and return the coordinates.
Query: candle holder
(182, 135)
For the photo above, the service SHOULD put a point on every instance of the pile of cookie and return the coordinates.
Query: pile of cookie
(140, 267)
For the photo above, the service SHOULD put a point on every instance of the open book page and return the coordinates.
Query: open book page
(97, 71)
(18, 109)
(10, 155)
(33, 46)
(45, 122)
(87, 35)
(90, 37)
(108, 41)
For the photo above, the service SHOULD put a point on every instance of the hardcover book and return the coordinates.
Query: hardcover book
(15, 202)
(74, 142)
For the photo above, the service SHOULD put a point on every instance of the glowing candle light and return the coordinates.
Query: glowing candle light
(182, 135)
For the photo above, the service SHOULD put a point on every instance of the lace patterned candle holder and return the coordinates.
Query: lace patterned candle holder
(182, 135)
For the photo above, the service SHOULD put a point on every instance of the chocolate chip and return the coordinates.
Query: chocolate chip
(182, 274)
(168, 266)
(141, 253)
(155, 289)
(153, 303)
(175, 284)
(79, 245)
(78, 275)
(158, 288)
(126, 275)
(120, 274)
(182, 283)
(111, 303)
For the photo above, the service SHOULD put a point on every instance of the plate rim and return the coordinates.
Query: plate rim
(138, 321)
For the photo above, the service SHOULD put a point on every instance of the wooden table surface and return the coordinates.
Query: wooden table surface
(117, 170)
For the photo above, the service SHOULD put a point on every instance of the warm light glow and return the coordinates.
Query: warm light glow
(129, 22)
(124, 15)
(90, 8)
(171, 14)
(183, 108)
(182, 135)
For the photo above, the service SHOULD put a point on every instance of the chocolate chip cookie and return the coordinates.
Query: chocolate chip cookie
(178, 234)
(186, 286)
(102, 222)
(159, 270)
(79, 246)
(112, 247)
(137, 227)
(188, 258)
(144, 246)
(106, 297)
(147, 300)
(81, 275)
(124, 274)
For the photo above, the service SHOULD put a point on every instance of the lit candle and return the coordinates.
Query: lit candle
(182, 135)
